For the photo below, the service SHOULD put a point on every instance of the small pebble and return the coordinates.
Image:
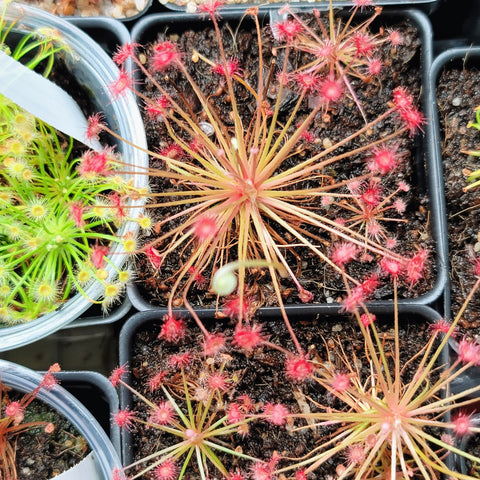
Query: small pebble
(191, 7)
(337, 327)
(456, 102)
(89, 8)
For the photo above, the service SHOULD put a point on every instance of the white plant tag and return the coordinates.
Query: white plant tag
(85, 470)
(43, 99)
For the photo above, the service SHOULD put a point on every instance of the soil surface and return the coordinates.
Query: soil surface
(261, 376)
(458, 94)
(41, 455)
(402, 67)
(91, 8)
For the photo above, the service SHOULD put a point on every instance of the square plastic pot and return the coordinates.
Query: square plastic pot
(88, 343)
(460, 57)
(426, 161)
(150, 322)
(97, 395)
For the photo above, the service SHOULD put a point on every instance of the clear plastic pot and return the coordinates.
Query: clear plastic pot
(24, 380)
(94, 70)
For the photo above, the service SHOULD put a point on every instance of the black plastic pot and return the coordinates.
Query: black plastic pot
(428, 6)
(151, 321)
(461, 57)
(24, 380)
(88, 343)
(108, 33)
(146, 30)
(98, 396)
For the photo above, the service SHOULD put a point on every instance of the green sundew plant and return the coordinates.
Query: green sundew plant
(473, 177)
(58, 215)
(387, 423)
(191, 420)
(35, 49)
(57, 219)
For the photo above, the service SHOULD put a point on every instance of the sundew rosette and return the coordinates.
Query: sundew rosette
(58, 219)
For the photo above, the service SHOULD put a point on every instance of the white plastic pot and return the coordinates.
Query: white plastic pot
(94, 70)
(103, 459)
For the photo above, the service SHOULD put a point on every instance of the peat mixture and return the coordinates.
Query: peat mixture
(401, 67)
(41, 455)
(458, 94)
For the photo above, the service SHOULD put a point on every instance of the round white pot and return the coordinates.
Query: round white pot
(94, 70)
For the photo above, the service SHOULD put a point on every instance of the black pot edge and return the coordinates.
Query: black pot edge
(116, 314)
(440, 61)
(96, 27)
(472, 376)
(100, 382)
(427, 6)
(141, 318)
(435, 186)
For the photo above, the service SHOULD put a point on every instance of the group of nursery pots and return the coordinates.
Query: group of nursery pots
(94, 69)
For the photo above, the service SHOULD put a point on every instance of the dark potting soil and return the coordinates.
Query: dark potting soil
(458, 93)
(261, 376)
(41, 455)
(473, 447)
(401, 67)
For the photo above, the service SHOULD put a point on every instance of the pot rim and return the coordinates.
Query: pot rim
(25, 380)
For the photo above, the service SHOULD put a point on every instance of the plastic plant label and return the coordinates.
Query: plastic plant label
(43, 99)
(85, 470)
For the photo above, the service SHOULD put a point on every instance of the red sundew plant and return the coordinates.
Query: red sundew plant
(339, 51)
(243, 188)
(368, 206)
(387, 423)
(12, 422)
(193, 418)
